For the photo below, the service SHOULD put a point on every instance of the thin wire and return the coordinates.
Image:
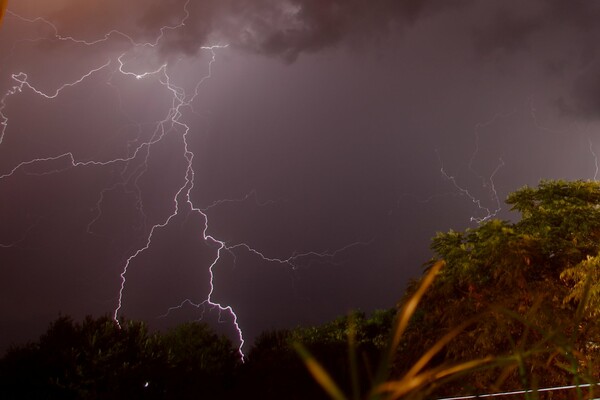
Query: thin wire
(550, 389)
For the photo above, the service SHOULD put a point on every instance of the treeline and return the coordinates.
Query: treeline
(97, 359)
(504, 306)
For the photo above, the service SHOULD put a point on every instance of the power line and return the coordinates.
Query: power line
(550, 389)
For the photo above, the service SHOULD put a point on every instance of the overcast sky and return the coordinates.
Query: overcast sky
(322, 144)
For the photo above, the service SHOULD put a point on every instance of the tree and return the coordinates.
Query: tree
(94, 359)
(98, 359)
(529, 291)
(274, 369)
(199, 363)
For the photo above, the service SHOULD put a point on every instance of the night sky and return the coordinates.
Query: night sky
(304, 151)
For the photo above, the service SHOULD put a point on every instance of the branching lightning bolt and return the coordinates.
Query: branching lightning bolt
(460, 190)
(109, 34)
(250, 195)
(489, 213)
(172, 122)
(489, 182)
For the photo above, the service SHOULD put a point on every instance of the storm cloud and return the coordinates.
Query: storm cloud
(284, 29)
(561, 36)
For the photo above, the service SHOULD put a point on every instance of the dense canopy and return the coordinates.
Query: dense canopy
(532, 288)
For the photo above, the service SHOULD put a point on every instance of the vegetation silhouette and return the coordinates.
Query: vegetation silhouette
(512, 306)
(501, 307)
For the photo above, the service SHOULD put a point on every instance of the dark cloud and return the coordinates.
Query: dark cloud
(199, 21)
(583, 100)
(561, 36)
(507, 33)
(292, 27)
(513, 28)
(272, 27)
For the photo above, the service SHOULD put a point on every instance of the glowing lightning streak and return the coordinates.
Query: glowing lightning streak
(489, 182)
(190, 185)
(22, 80)
(595, 156)
(290, 261)
(489, 213)
(478, 127)
(16, 242)
(174, 118)
(110, 33)
(252, 194)
(538, 125)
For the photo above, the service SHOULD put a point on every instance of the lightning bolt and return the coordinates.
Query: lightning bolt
(21, 239)
(460, 190)
(595, 156)
(489, 213)
(135, 162)
(107, 36)
(250, 195)
(22, 83)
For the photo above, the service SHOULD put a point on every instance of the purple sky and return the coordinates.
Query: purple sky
(336, 136)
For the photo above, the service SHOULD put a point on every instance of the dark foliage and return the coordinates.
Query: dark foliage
(97, 359)
(530, 287)
(274, 370)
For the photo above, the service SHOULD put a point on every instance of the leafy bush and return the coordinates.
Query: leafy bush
(512, 306)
